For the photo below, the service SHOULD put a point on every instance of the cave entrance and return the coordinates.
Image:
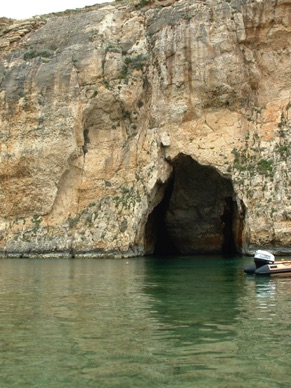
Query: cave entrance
(197, 214)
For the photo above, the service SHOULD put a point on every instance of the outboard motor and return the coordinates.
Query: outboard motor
(262, 258)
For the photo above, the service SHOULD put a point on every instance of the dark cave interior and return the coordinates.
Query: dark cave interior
(198, 213)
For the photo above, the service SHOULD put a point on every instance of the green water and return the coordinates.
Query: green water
(181, 322)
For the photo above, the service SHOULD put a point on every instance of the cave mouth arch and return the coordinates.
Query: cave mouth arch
(198, 213)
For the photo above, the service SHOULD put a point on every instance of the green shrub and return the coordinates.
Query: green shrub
(43, 53)
(265, 166)
(131, 63)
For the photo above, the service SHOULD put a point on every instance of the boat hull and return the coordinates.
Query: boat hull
(275, 268)
(250, 268)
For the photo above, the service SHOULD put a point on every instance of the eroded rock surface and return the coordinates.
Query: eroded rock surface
(132, 128)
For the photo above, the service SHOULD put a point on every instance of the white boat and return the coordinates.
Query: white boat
(265, 264)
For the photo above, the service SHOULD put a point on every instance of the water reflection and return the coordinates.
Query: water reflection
(265, 288)
(266, 330)
(142, 322)
(77, 321)
(198, 294)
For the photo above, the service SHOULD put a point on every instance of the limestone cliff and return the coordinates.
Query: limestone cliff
(130, 128)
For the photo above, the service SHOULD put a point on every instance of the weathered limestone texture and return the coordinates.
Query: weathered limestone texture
(130, 128)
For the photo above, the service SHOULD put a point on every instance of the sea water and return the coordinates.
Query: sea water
(143, 322)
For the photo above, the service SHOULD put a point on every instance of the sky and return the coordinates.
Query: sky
(22, 9)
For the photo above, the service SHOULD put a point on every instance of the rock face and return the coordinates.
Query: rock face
(155, 127)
